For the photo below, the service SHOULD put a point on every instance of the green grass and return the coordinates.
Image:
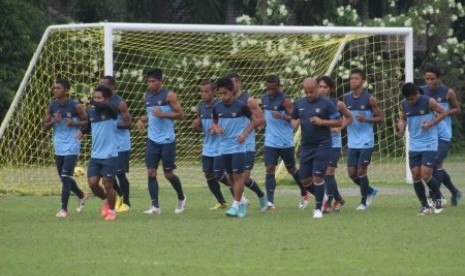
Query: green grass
(389, 238)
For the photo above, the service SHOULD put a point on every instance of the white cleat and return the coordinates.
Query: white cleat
(153, 211)
(62, 214)
(304, 201)
(181, 205)
(317, 214)
(361, 207)
(82, 202)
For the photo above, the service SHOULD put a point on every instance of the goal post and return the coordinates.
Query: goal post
(187, 54)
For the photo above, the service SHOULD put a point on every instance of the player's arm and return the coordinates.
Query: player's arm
(378, 117)
(197, 123)
(80, 110)
(49, 121)
(334, 118)
(454, 106)
(178, 113)
(440, 114)
(252, 124)
(256, 111)
(295, 120)
(143, 120)
(402, 122)
(126, 120)
(346, 115)
(289, 108)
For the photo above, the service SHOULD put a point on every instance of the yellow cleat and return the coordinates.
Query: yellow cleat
(118, 202)
(219, 206)
(123, 208)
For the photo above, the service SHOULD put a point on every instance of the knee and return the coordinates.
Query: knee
(168, 174)
(152, 173)
(291, 170)
(209, 175)
(306, 182)
(271, 169)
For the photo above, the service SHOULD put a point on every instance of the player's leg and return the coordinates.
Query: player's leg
(364, 161)
(67, 176)
(271, 156)
(236, 184)
(152, 159)
(428, 161)
(331, 183)
(415, 169)
(123, 169)
(65, 187)
(320, 159)
(108, 173)
(306, 168)
(168, 158)
(441, 174)
(212, 181)
(288, 157)
(249, 182)
(238, 167)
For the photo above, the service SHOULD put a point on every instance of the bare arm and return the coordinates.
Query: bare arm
(378, 117)
(346, 115)
(175, 105)
(402, 123)
(257, 113)
(454, 106)
(196, 123)
(440, 114)
(126, 120)
(49, 121)
(327, 123)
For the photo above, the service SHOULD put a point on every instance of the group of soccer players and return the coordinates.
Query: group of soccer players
(229, 124)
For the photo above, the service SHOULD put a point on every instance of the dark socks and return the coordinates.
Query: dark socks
(311, 189)
(176, 183)
(330, 188)
(357, 182)
(319, 194)
(75, 189)
(251, 184)
(363, 181)
(124, 185)
(65, 192)
(296, 177)
(448, 182)
(214, 187)
(270, 183)
(421, 192)
(153, 191)
(433, 184)
(116, 187)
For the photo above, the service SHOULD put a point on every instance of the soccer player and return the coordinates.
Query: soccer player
(361, 139)
(421, 114)
(279, 139)
(316, 115)
(65, 116)
(211, 157)
(124, 144)
(162, 108)
(229, 124)
(327, 88)
(250, 143)
(447, 98)
(103, 162)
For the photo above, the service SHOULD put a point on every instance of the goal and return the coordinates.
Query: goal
(187, 54)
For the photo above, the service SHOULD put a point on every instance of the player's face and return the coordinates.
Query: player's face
(324, 89)
(206, 93)
(272, 88)
(311, 91)
(59, 91)
(431, 80)
(98, 97)
(356, 81)
(225, 95)
(154, 84)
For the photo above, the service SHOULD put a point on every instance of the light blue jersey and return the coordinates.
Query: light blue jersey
(211, 143)
(231, 119)
(336, 137)
(64, 137)
(104, 142)
(360, 135)
(160, 130)
(420, 140)
(250, 141)
(440, 95)
(123, 136)
(278, 132)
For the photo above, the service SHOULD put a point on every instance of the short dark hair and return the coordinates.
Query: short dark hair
(65, 82)
(435, 70)
(106, 92)
(156, 73)
(111, 79)
(358, 71)
(327, 80)
(208, 82)
(273, 79)
(226, 83)
(409, 89)
(233, 75)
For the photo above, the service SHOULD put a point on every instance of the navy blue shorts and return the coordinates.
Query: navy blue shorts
(155, 152)
(234, 163)
(359, 157)
(334, 157)
(102, 167)
(422, 158)
(213, 164)
(443, 149)
(314, 161)
(272, 156)
(123, 161)
(249, 160)
(65, 164)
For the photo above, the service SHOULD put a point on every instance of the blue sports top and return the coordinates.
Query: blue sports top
(122, 135)
(231, 119)
(64, 137)
(278, 132)
(211, 143)
(250, 141)
(360, 135)
(104, 142)
(440, 95)
(160, 130)
(314, 135)
(420, 140)
(337, 139)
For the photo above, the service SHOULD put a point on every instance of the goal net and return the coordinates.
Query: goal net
(188, 54)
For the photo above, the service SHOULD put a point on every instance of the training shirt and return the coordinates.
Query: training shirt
(211, 143)
(104, 142)
(250, 141)
(278, 132)
(64, 137)
(231, 119)
(420, 140)
(444, 127)
(336, 138)
(123, 136)
(314, 135)
(360, 135)
(160, 130)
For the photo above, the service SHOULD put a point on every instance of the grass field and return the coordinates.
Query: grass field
(389, 238)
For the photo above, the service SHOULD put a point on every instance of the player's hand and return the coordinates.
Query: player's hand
(426, 125)
(335, 130)
(401, 126)
(211, 131)
(218, 131)
(78, 135)
(69, 122)
(157, 112)
(140, 126)
(195, 124)
(316, 120)
(360, 117)
(57, 117)
(277, 115)
(241, 138)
